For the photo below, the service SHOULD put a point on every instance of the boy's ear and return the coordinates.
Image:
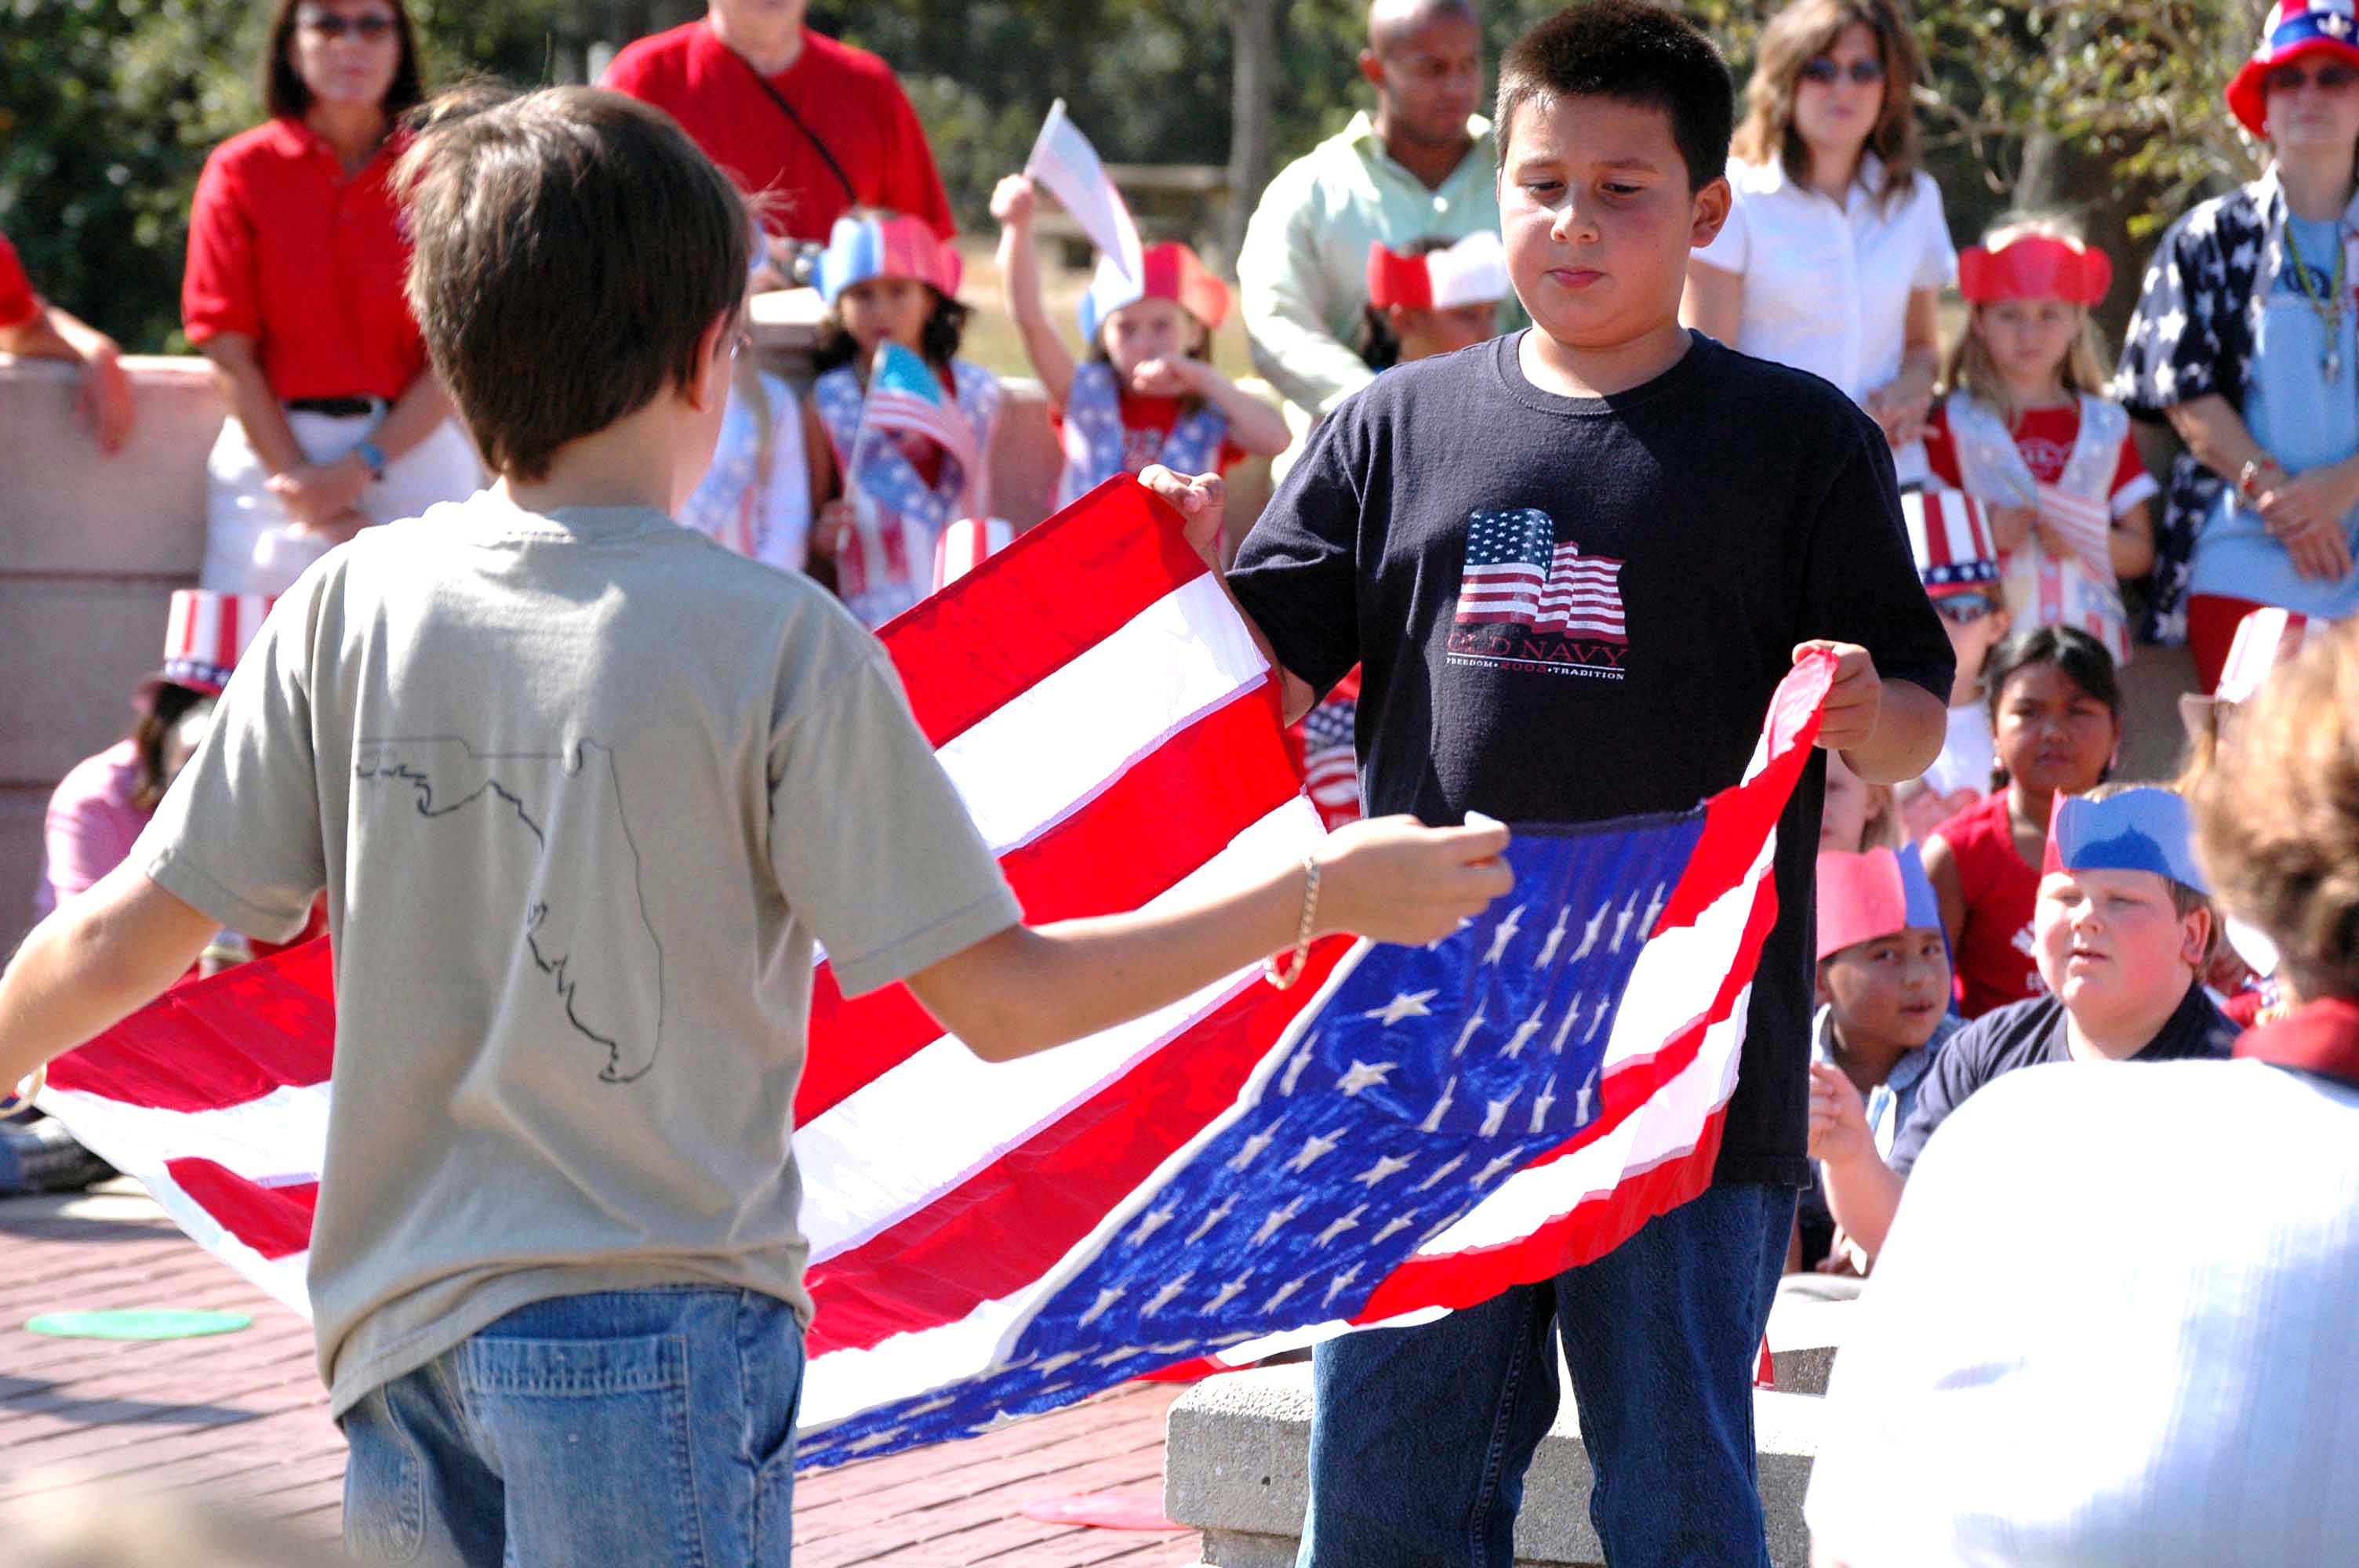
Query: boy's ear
(1394, 315)
(1712, 204)
(1819, 973)
(2195, 940)
(712, 361)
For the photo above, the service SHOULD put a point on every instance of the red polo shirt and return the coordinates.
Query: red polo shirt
(286, 249)
(846, 96)
(17, 300)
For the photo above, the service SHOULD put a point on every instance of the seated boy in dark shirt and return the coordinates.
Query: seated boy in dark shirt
(1574, 564)
(2122, 933)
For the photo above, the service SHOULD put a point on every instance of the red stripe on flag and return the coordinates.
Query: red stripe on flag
(1149, 828)
(274, 1221)
(1039, 1200)
(1748, 813)
(219, 1042)
(990, 641)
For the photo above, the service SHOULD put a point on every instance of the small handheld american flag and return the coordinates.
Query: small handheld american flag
(905, 397)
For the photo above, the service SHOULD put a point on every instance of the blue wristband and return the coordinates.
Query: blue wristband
(372, 456)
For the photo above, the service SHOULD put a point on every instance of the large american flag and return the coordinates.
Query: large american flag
(1518, 573)
(1407, 1130)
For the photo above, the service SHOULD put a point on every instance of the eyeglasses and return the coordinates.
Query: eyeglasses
(2328, 78)
(1964, 609)
(1826, 72)
(371, 26)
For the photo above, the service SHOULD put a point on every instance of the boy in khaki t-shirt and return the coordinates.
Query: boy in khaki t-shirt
(584, 790)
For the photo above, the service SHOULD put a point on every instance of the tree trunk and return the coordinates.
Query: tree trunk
(1253, 43)
(2040, 177)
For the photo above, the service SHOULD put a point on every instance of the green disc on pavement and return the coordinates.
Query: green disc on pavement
(139, 1322)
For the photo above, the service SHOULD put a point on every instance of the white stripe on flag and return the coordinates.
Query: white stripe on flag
(283, 1133)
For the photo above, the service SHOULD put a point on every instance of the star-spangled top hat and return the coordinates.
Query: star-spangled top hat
(2294, 28)
(1863, 897)
(859, 249)
(2142, 829)
(203, 637)
(1951, 541)
(1473, 271)
(1173, 272)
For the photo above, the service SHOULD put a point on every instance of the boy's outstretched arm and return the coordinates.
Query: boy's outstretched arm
(1199, 500)
(1029, 989)
(1888, 731)
(99, 958)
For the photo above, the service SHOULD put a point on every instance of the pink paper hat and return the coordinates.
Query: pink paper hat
(2136, 830)
(1950, 539)
(2264, 639)
(203, 637)
(2035, 266)
(1472, 272)
(859, 249)
(1173, 273)
(1863, 897)
(2294, 29)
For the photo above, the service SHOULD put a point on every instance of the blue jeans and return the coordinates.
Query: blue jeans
(651, 1426)
(1419, 1437)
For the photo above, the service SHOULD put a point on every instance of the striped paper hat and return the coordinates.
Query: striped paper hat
(1863, 897)
(1173, 273)
(206, 634)
(1950, 539)
(1472, 272)
(861, 248)
(2295, 28)
(2263, 639)
(2135, 830)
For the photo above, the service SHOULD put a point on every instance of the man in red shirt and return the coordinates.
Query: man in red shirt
(35, 328)
(817, 126)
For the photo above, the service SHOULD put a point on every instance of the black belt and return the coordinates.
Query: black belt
(334, 408)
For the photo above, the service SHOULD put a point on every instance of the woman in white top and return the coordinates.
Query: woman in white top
(1835, 250)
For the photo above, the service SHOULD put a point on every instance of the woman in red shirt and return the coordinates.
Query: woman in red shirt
(2055, 718)
(294, 291)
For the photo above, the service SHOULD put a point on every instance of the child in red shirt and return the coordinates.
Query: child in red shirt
(2025, 430)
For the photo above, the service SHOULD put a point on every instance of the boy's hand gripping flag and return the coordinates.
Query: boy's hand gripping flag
(1407, 1130)
(1063, 160)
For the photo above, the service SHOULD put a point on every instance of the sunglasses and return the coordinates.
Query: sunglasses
(2329, 78)
(326, 25)
(1826, 72)
(1964, 609)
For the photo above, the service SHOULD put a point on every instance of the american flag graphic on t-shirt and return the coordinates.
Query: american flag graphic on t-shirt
(1518, 573)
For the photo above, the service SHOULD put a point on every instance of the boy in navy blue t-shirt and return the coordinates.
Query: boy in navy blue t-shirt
(1575, 562)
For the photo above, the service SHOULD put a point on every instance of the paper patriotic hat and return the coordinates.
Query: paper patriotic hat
(2294, 29)
(2264, 639)
(1473, 271)
(2140, 829)
(1950, 539)
(2035, 266)
(861, 248)
(1863, 897)
(1172, 272)
(203, 637)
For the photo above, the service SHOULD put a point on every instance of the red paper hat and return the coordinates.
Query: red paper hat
(1863, 897)
(1951, 541)
(2035, 266)
(1473, 271)
(2294, 28)
(1173, 273)
(861, 248)
(203, 637)
(2263, 639)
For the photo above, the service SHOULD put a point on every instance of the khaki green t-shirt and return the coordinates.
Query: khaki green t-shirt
(582, 790)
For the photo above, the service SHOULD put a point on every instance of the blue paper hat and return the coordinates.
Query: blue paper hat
(2136, 830)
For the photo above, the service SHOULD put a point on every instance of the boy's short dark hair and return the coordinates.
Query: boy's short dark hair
(1632, 53)
(571, 248)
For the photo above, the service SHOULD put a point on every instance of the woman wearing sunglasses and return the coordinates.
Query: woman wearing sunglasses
(2243, 339)
(294, 292)
(1835, 249)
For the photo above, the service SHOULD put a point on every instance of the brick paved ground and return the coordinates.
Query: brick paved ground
(242, 1417)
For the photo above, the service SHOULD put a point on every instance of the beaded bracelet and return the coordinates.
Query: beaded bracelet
(1282, 979)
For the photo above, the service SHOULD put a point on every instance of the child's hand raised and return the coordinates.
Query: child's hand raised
(1014, 200)
(1399, 881)
(1177, 377)
(1839, 1131)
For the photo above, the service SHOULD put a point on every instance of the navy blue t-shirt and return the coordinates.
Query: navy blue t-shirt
(2028, 1033)
(1719, 515)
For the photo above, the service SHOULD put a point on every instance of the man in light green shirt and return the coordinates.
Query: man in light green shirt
(1420, 167)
